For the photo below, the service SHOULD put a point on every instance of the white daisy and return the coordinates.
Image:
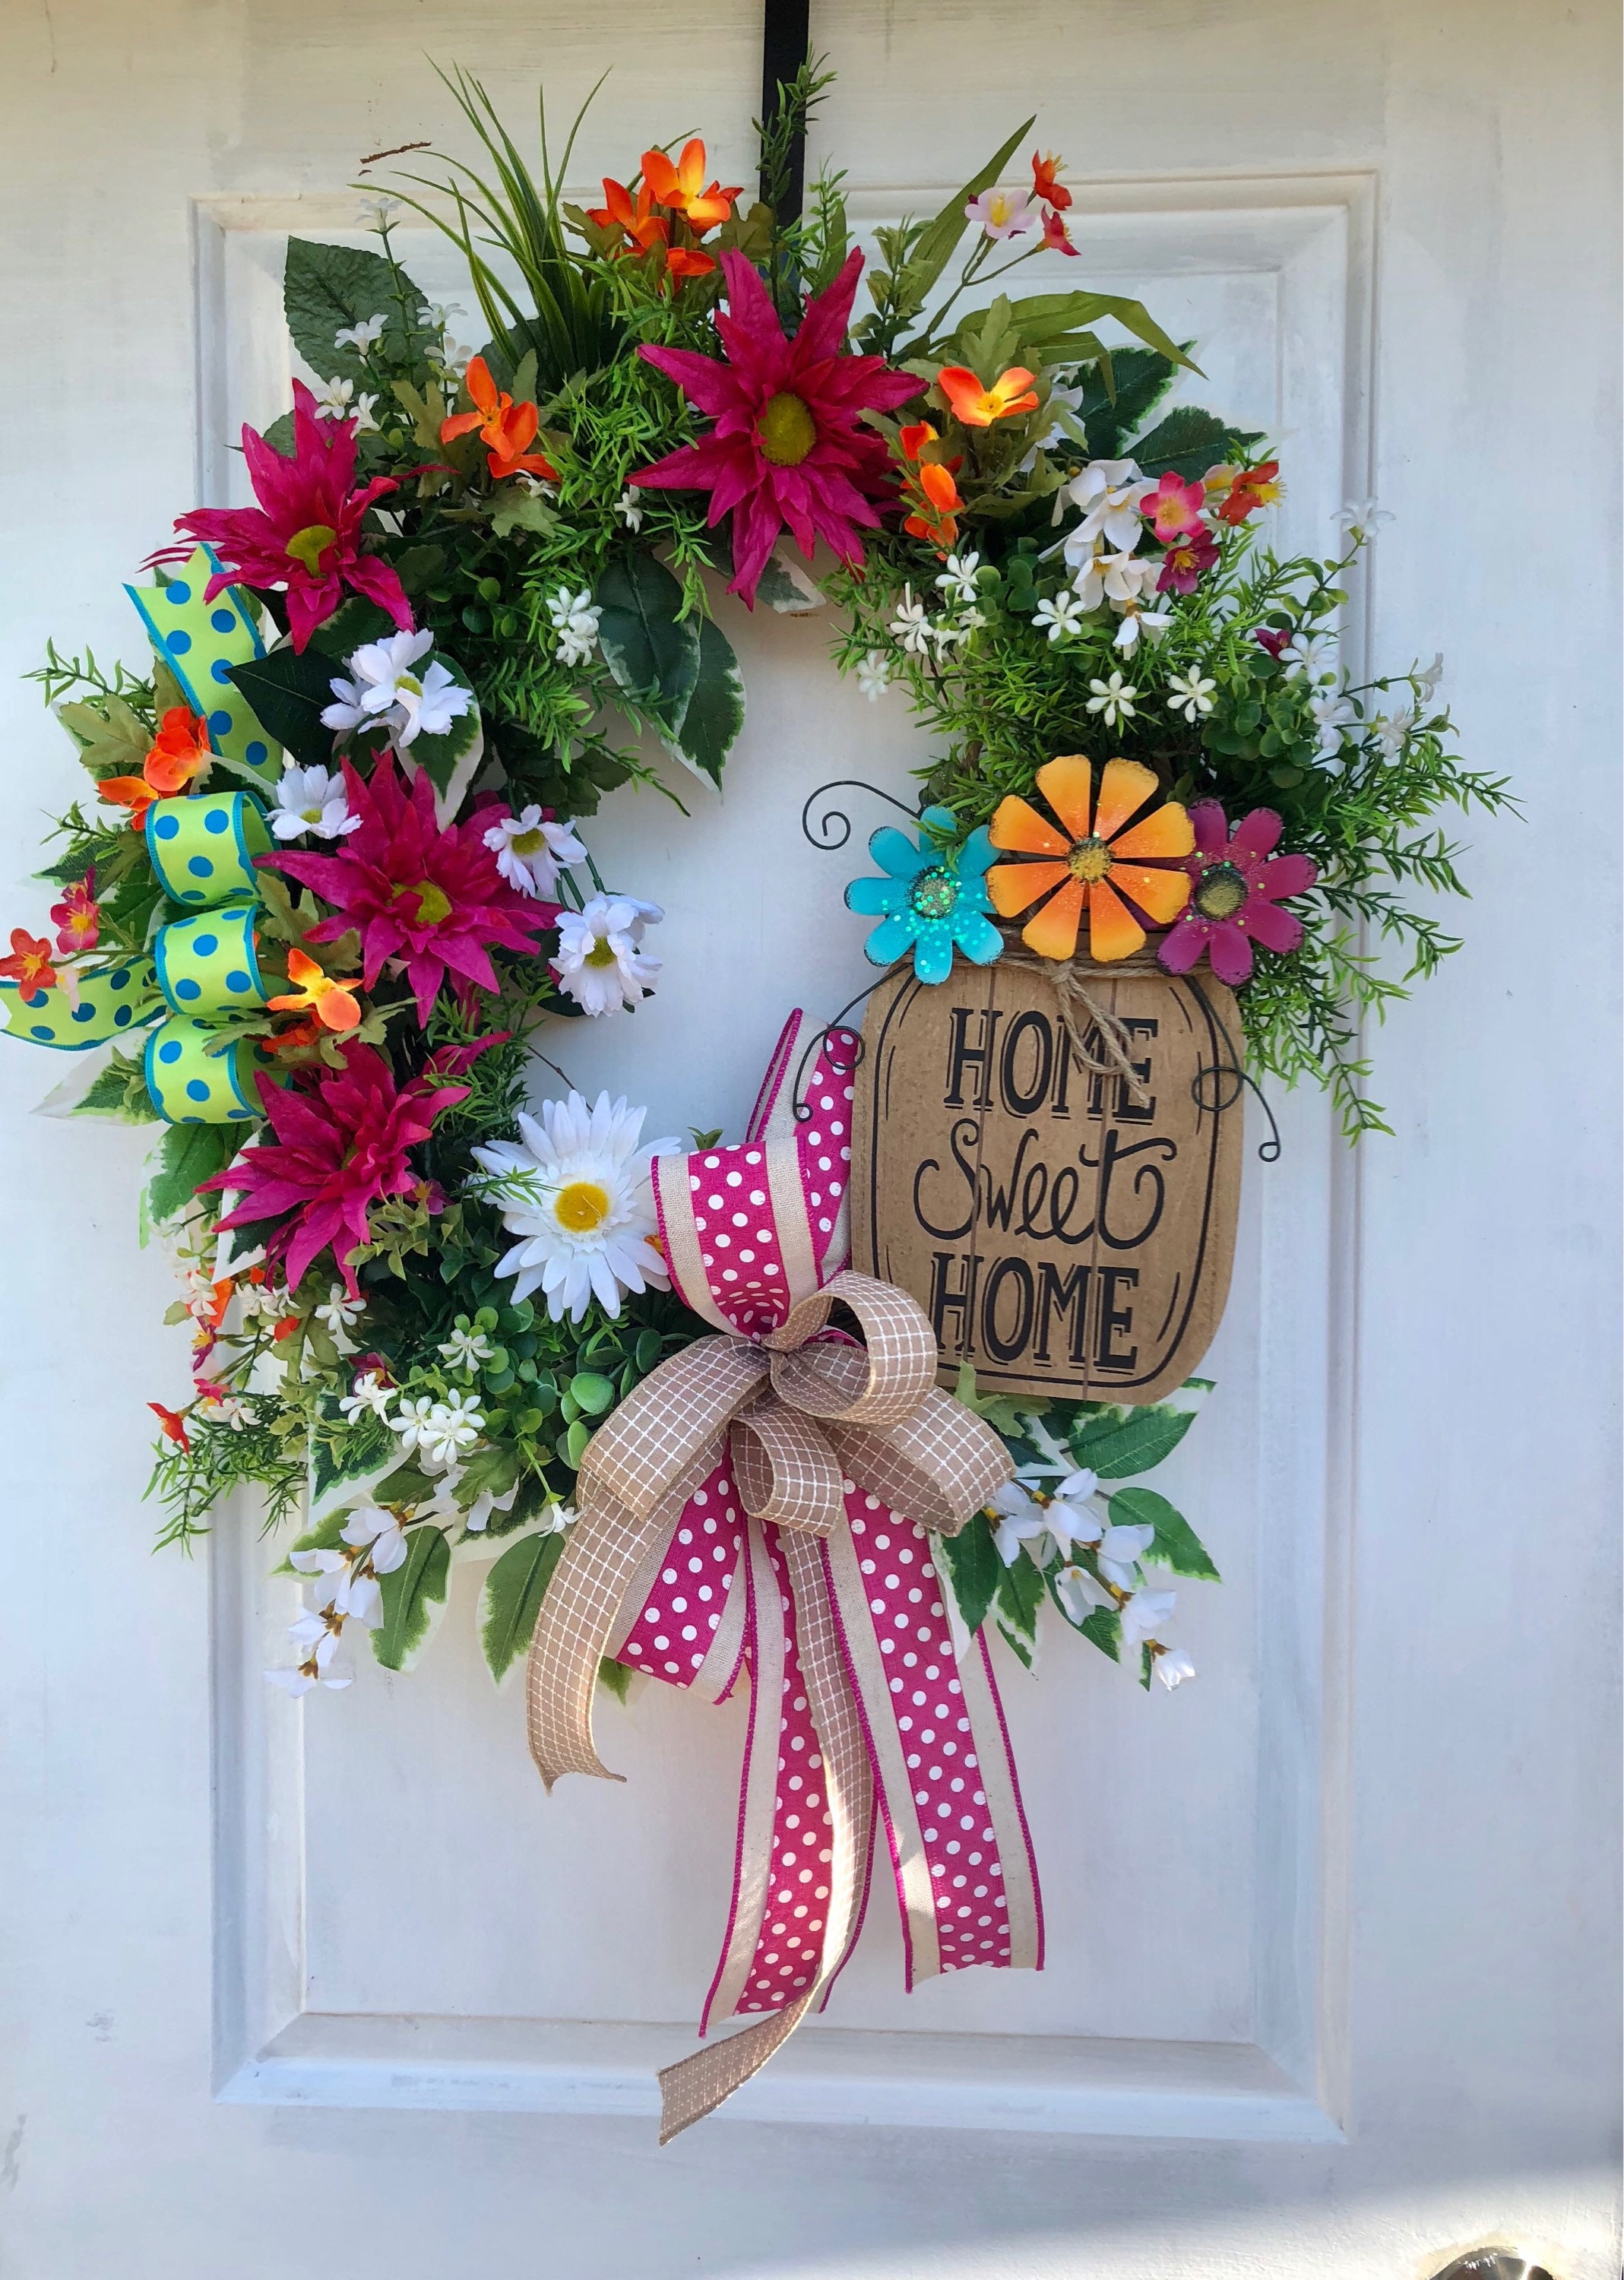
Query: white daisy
(1114, 699)
(530, 849)
(362, 337)
(574, 620)
(601, 961)
(577, 1193)
(336, 399)
(311, 800)
(1190, 693)
(386, 693)
(874, 674)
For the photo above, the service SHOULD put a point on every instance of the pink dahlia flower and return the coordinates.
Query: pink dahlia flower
(340, 1144)
(789, 446)
(305, 533)
(1237, 885)
(433, 899)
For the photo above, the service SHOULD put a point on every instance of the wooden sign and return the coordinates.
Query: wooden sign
(1069, 1232)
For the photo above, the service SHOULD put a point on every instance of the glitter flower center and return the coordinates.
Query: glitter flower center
(934, 893)
(1090, 860)
(1220, 891)
(582, 1206)
(786, 431)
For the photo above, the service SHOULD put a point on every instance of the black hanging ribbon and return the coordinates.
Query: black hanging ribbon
(784, 34)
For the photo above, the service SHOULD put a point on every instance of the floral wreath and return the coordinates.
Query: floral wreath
(332, 872)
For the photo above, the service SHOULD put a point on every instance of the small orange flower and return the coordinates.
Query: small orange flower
(507, 429)
(317, 993)
(171, 1422)
(297, 1035)
(634, 215)
(134, 792)
(1248, 489)
(686, 261)
(1057, 237)
(1084, 859)
(679, 187)
(975, 406)
(179, 753)
(1045, 184)
(935, 517)
(29, 965)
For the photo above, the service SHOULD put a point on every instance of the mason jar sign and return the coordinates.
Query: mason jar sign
(1065, 1217)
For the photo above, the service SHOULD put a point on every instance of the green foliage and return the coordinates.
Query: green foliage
(412, 1598)
(119, 1090)
(188, 1155)
(332, 288)
(1177, 1546)
(512, 1600)
(972, 1564)
(1118, 1444)
(287, 689)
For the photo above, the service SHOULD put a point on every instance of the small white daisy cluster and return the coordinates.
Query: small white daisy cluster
(531, 850)
(1068, 1516)
(600, 961)
(386, 691)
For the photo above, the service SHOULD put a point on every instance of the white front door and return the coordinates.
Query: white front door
(1331, 1939)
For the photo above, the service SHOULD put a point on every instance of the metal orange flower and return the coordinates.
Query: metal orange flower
(316, 992)
(29, 965)
(507, 429)
(679, 187)
(1097, 859)
(180, 752)
(975, 406)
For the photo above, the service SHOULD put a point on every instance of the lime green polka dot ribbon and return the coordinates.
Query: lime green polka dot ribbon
(200, 642)
(119, 995)
(206, 969)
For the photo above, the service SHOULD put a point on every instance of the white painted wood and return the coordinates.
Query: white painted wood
(1334, 1930)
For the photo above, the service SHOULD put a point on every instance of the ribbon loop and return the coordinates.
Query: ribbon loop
(669, 1422)
(899, 1350)
(785, 1469)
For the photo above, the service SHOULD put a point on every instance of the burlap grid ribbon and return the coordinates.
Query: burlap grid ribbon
(844, 1457)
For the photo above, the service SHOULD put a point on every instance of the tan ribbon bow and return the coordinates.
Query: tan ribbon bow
(798, 1418)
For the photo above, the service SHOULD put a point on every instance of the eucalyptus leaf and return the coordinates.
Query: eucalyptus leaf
(413, 1597)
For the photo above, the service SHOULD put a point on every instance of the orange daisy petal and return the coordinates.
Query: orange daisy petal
(1012, 886)
(1161, 895)
(1124, 785)
(1022, 830)
(1067, 784)
(1053, 932)
(1114, 930)
(1167, 831)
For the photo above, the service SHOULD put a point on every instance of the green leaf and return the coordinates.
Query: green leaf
(1141, 379)
(512, 1600)
(616, 1677)
(653, 656)
(287, 690)
(591, 1392)
(1188, 441)
(1177, 1546)
(410, 1597)
(787, 588)
(714, 712)
(521, 510)
(188, 1155)
(974, 1568)
(1117, 1448)
(1102, 1627)
(355, 622)
(111, 740)
(119, 1090)
(1022, 1590)
(326, 290)
(352, 1450)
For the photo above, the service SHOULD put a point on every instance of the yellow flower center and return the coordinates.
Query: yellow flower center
(1090, 859)
(602, 953)
(529, 842)
(582, 1206)
(786, 430)
(1220, 891)
(434, 905)
(310, 545)
(410, 683)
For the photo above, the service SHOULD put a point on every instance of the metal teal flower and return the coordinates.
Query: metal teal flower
(927, 902)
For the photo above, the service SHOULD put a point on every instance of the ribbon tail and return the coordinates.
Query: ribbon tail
(697, 2086)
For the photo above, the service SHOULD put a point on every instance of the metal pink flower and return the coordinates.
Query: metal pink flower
(1238, 883)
